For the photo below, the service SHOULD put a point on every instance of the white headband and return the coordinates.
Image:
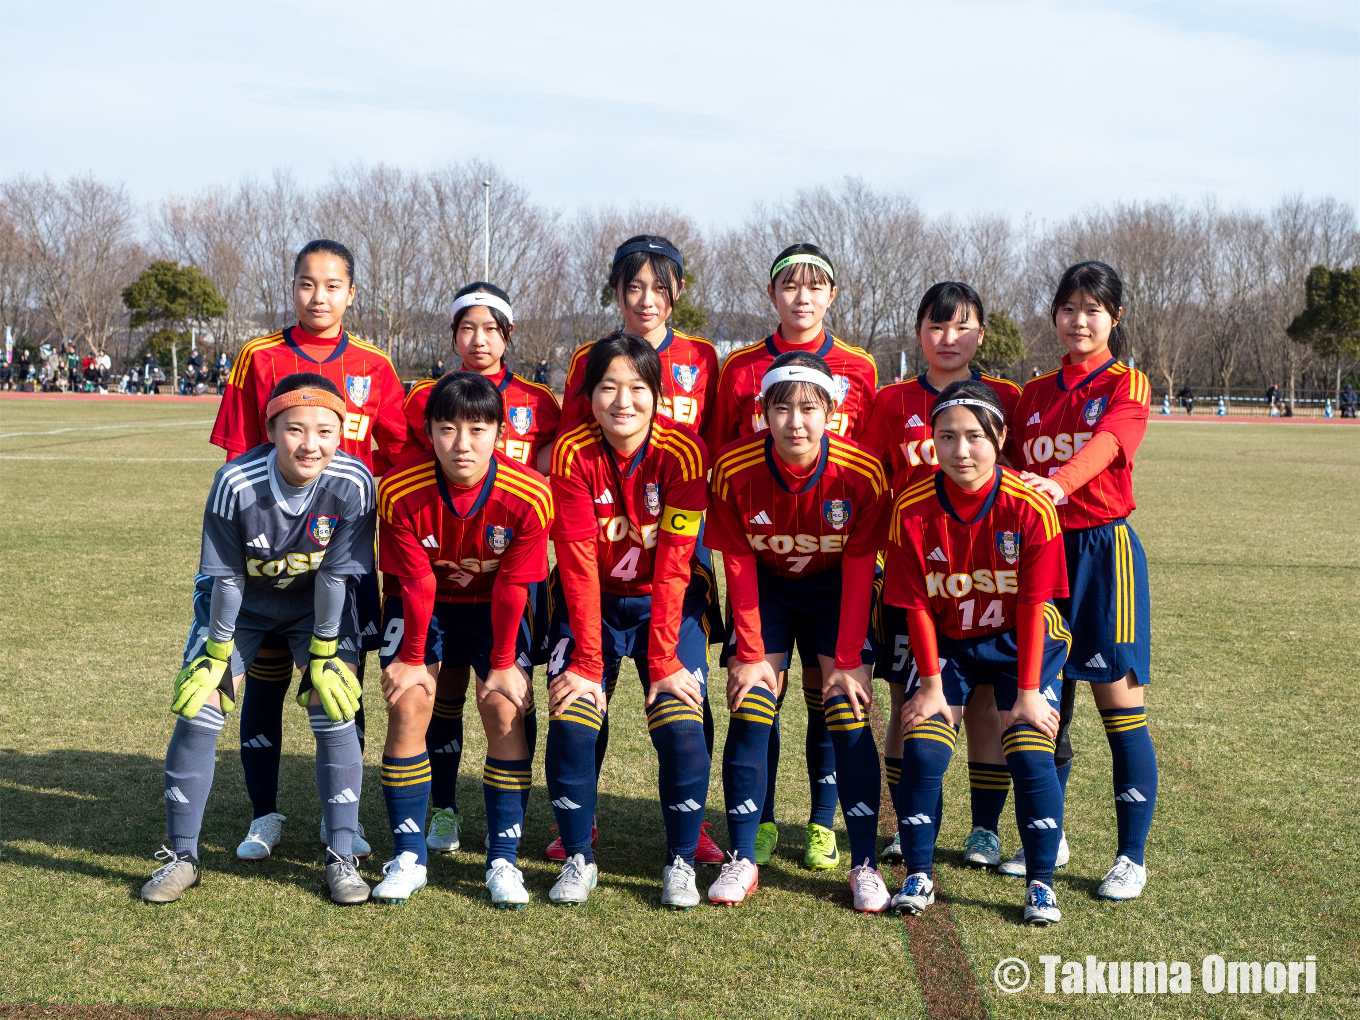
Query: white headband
(482, 298)
(799, 373)
(964, 402)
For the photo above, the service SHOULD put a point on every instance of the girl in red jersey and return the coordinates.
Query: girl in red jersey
(950, 327)
(797, 513)
(465, 530)
(630, 493)
(1077, 430)
(975, 559)
(802, 287)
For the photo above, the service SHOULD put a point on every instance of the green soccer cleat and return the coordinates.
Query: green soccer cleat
(821, 853)
(767, 838)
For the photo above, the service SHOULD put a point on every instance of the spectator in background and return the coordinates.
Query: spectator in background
(1348, 401)
(437, 369)
(1272, 397)
(196, 361)
(223, 372)
(1187, 399)
(1036, 373)
(543, 374)
(149, 366)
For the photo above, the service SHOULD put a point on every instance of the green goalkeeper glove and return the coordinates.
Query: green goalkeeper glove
(334, 682)
(209, 672)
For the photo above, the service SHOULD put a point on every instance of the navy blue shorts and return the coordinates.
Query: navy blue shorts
(896, 664)
(966, 665)
(456, 629)
(1108, 609)
(627, 628)
(704, 565)
(803, 612)
(537, 611)
(368, 602)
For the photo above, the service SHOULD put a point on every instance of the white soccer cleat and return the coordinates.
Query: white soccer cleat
(168, 882)
(1124, 881)
(359, 848)
(737, 880)
(577, 881)
(870, 891)
(1015, 867)
(441, 835)
(918, 892)
(678, 890)
(262, 837)
(892, 852)
(506, 883)
(982, 849)
(402, 879)
(1041, 905)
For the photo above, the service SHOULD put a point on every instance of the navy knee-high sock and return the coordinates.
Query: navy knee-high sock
(569, 764)
(444, 744)
(772, 763)
(821, 762)
(267, 683)
(1135, 777)
(339, 777)
(190, 761)
(988, 787)
(602, 744)
(708, 726)
(892, 775)
(858, 776)
(505, 786)
(406, 791)
(750, 728)
(677, 733)
(531, 739)
(1038, 798)
(926, 751)
(1064, 770)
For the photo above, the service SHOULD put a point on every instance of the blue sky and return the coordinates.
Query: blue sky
(1024, 108)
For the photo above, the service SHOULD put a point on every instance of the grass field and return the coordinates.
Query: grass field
(1254, 546)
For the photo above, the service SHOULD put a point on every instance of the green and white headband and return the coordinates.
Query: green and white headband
(812, 260)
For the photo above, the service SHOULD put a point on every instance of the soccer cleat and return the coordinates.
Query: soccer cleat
(342, 875)
(402, 879)
(1124, 881)
(767, 838)
(262, 837)
(737, 880)
(1015, 867)
(918, 892)
(892, 851)
(678, 890)
(577, 881)
(708, 852)
(168, 882)
(359, 848)
(983, 848)
(1041, 906)
(870, 891)
(441, 836)
(556, 852)
(506, 883)
(821, 852)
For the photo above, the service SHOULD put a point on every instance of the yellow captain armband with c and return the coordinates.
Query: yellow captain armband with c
(681, 522)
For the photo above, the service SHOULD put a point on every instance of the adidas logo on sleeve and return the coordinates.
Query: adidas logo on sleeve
(761, 518)
(605, 497)
(430, 542)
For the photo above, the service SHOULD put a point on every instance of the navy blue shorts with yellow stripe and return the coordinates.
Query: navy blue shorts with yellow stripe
(967, 665)
(537, 612)
(802, 612)
(455, 628)
(1108, 608)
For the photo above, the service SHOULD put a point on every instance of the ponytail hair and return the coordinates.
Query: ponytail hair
(1102, 285)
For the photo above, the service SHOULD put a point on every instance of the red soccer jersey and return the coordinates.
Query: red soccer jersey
(737, 412)
(504, 535)
(899, 425)
(840, 510)
(625, 507)
(531, 416)
(1057, 415)
(969, 573)
(361, 372)
(689, 380)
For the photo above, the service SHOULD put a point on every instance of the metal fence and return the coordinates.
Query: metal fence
(1253, 403)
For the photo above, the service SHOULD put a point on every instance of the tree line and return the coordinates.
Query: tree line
(1212, 292)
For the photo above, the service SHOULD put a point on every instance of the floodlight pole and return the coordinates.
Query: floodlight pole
(486, 232)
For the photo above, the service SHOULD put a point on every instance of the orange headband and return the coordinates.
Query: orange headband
(305, 397)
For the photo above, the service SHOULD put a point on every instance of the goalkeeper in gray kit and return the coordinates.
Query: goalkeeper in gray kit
(285, 527)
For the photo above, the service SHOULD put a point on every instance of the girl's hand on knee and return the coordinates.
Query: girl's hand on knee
(512, 684)
(854, 684)
(568, 686)
(928, 701)
(743, 676)
(1033, 708)
(682, 685)
(399, 677)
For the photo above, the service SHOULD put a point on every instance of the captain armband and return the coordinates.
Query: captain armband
(681, 522)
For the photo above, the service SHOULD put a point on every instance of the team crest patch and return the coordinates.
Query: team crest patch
(836, 512)
(522, 419)
(686, 376)
(652, 497)
(358, 387)
(1094, 408)
(1008, 545)
(498, 538)
(321, 528)
(842, 384)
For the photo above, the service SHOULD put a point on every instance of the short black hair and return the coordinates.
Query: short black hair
(1102, 285)
(992, 420)
(324, 247)
(943, 301)
(464, 396)
(664, 268)
(803, 272)
(303, 381)
(638, 352)
(787, 391)
(482, 287)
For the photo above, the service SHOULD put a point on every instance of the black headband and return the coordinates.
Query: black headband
(664, 250)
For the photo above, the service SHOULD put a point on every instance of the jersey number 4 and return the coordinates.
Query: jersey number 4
(627, 567)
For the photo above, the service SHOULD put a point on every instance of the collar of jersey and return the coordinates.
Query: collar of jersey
(779, 478)
(340, 344)
(1068, 389)
(827, 343)
(482, 497)
(272, 458)
(931, 389)
(670, 335)
(983, 510)
(637, 457)
(501, 386)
